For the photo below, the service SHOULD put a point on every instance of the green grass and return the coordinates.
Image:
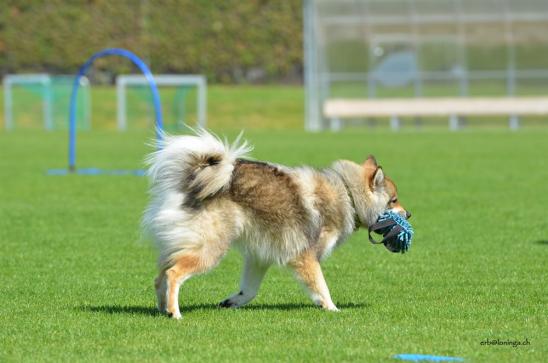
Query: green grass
(228, 107)
(77, 283)
(274, 107)
(255, 107)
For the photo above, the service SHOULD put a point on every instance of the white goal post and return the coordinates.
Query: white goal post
(41, 79)
(49, 98)
(174, 80)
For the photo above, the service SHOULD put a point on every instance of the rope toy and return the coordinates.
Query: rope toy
(396, 231)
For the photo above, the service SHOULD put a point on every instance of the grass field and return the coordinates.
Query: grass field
(279, 107)
(77, 283)
(228, 107)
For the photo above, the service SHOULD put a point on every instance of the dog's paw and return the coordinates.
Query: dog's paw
(176, 315)
(329, 307)
(228, 303)
(236, 300)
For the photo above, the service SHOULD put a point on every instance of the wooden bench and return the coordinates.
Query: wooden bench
(454, 108)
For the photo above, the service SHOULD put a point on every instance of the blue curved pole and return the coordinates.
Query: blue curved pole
(83, 70)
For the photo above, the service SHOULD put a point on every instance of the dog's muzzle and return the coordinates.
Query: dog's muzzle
(396, 231)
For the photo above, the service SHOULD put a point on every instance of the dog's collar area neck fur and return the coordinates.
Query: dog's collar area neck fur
(357, 220)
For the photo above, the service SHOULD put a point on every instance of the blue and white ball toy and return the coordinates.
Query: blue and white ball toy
(396, 231)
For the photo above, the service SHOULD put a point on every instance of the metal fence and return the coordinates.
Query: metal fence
(422, 48)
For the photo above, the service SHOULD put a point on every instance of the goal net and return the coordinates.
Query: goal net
(42, 100)
(183, 100)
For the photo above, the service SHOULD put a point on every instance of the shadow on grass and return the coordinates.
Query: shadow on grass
(300, 306)
(152, 311)
(542, 242)
(117, 309)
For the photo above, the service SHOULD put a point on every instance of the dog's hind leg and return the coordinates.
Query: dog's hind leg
(252, 277)
(184, 267)
(308, 271)
(160, 285)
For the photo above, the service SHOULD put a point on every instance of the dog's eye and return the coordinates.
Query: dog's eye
(395, 200)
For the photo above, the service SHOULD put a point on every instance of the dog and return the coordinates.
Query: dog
(207, 195)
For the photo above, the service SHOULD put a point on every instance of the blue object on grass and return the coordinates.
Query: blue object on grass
(426, 357)
(82, 71)
(396, 230)
(96, 171)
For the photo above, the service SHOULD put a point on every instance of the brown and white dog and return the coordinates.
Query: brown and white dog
(205, 197)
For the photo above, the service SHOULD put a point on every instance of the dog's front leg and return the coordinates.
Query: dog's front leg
(308, 271)
(252, 277)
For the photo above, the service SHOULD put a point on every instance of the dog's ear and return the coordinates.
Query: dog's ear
(373, 173)
(370, 163)
(378, 179)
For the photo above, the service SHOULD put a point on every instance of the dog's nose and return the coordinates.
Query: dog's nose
(407, 214)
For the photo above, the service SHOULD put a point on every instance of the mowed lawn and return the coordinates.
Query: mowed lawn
(228, 107)
(77, 280)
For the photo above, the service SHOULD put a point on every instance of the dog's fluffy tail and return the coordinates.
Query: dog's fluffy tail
(198, 166)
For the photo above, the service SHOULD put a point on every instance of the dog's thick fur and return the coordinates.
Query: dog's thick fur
(205, 196)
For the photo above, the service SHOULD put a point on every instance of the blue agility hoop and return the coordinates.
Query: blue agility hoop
(83, 70)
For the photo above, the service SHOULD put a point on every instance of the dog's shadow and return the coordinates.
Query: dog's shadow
(152, 311)
(120, 309)
(542, 242)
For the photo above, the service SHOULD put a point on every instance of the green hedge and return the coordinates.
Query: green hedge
(228, 40)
